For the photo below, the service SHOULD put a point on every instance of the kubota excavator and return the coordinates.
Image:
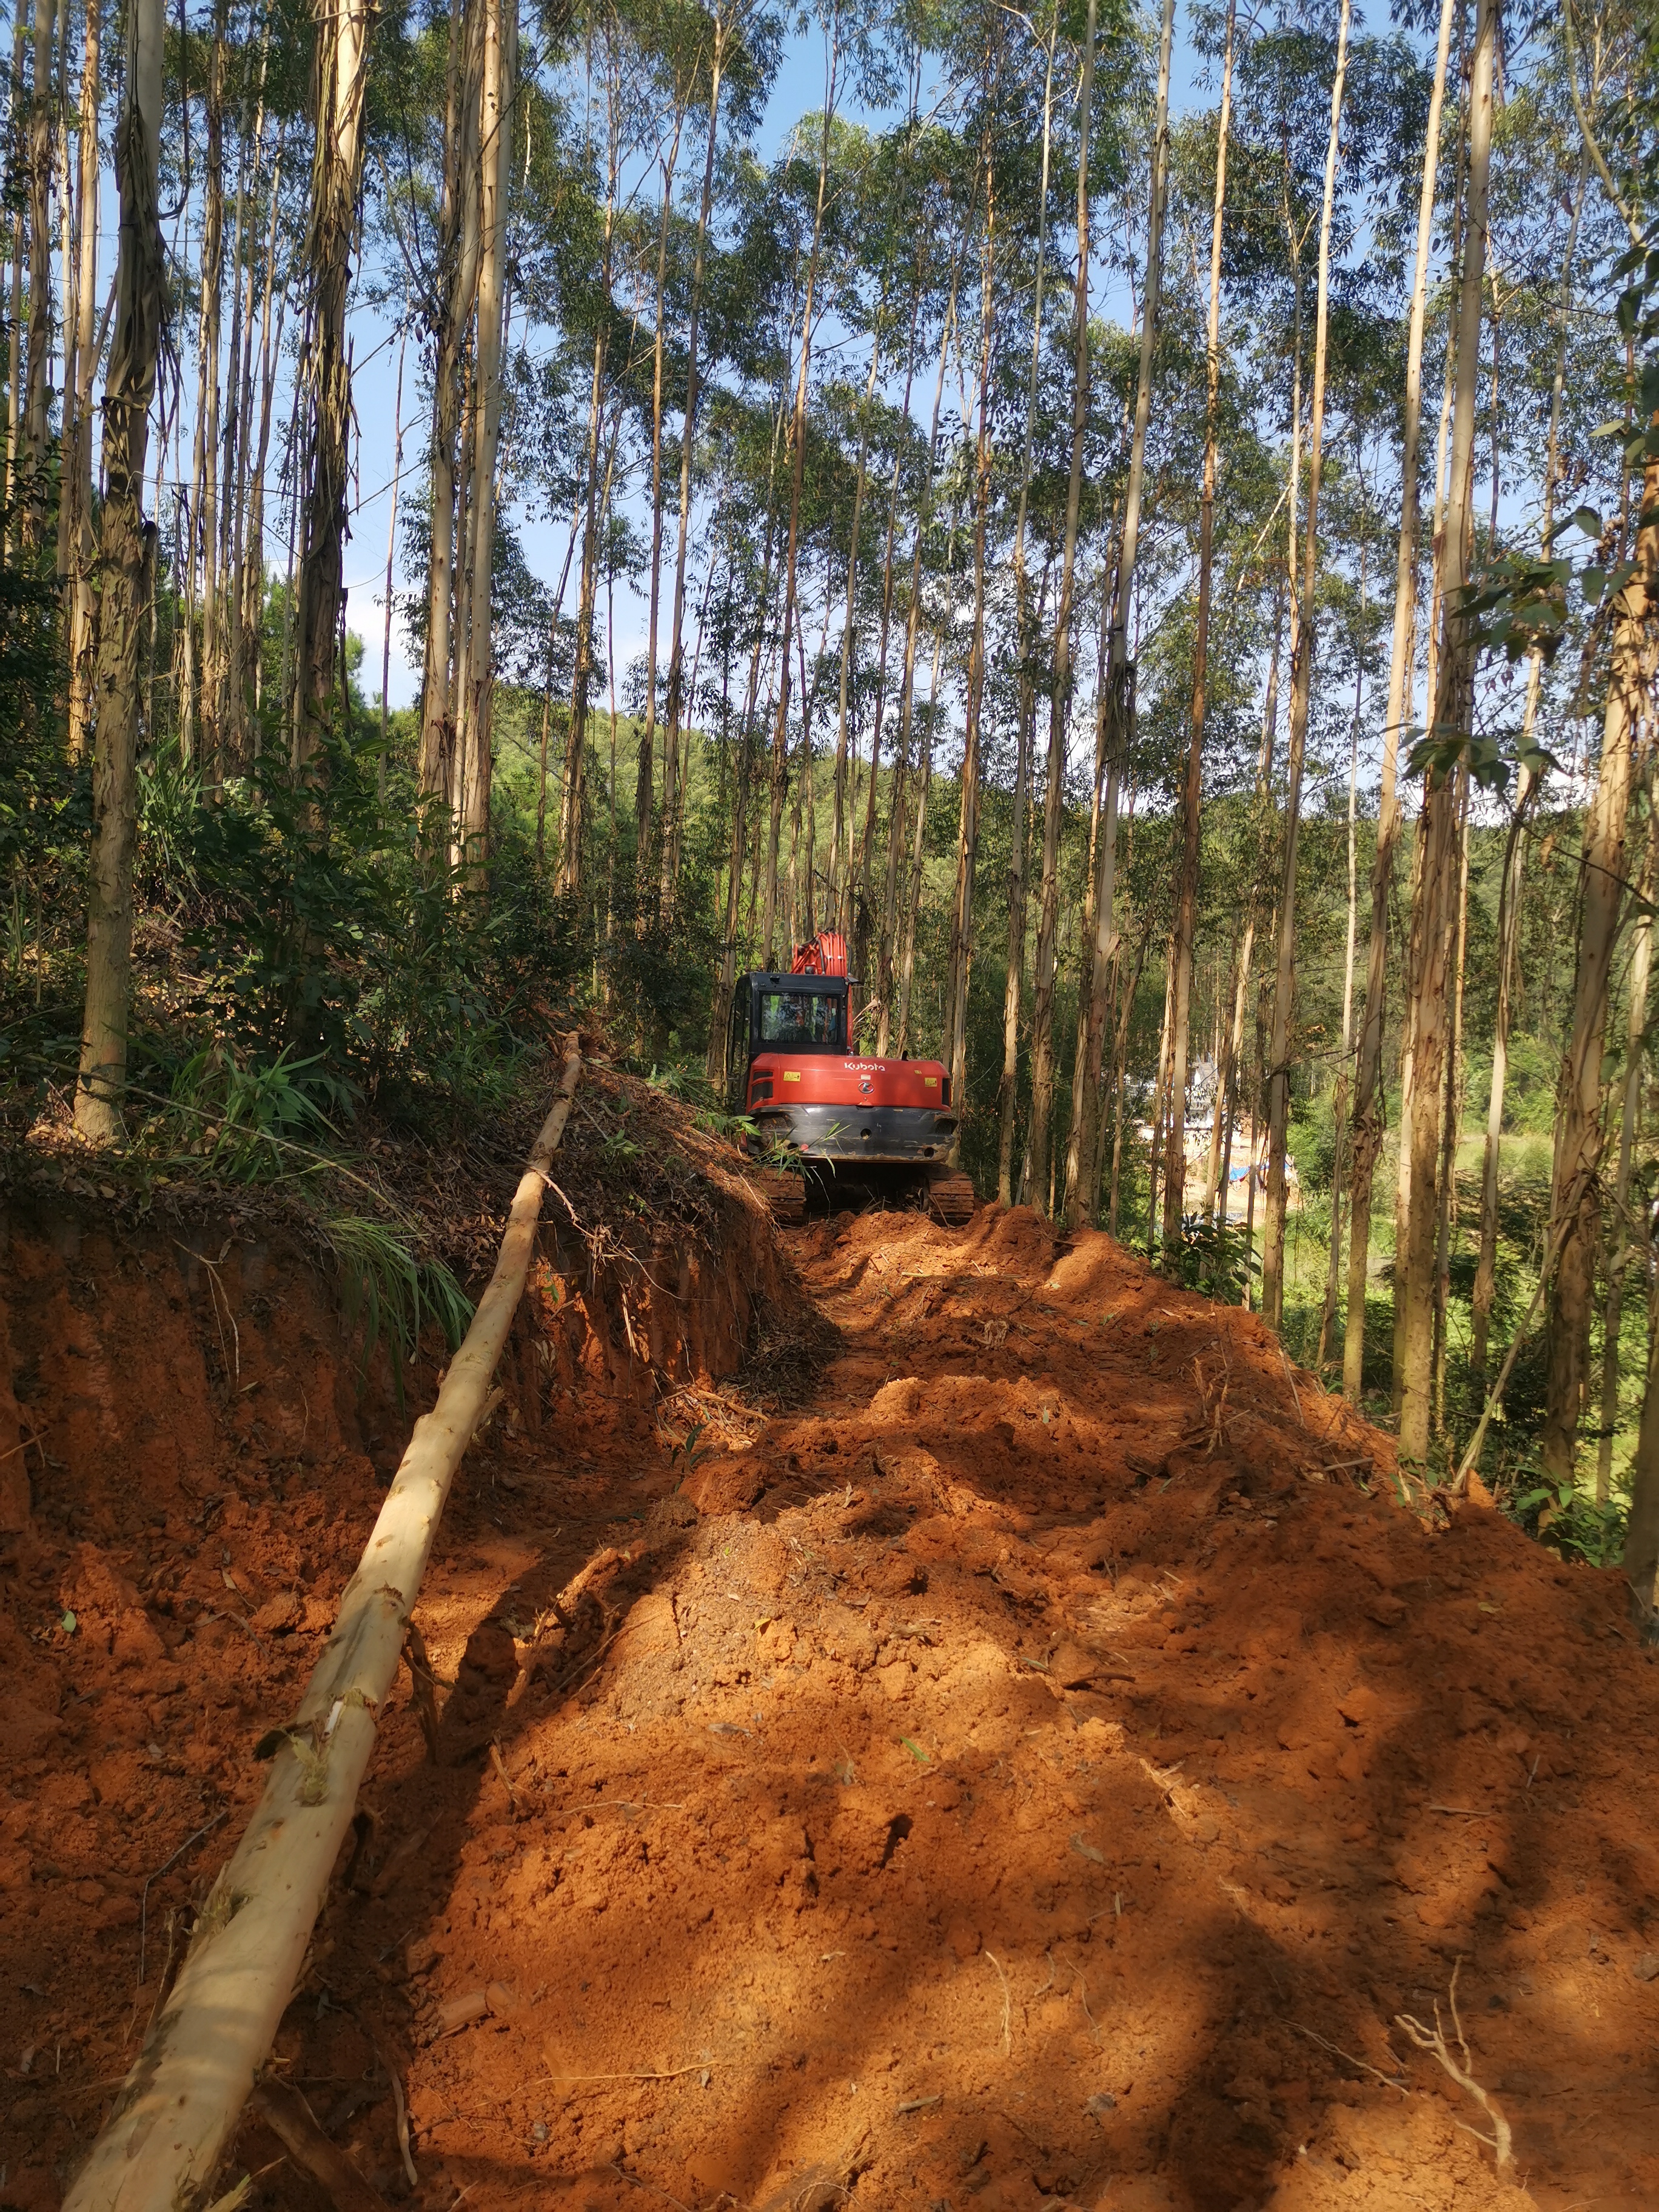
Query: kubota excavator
(884, 1127)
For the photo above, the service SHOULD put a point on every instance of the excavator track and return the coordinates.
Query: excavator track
(951, 1200)
(786, 1194)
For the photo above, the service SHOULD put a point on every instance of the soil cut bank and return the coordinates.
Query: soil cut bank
(1034, 1769)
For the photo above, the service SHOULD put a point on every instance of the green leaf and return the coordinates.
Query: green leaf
(68, 1623)
(915, 1749)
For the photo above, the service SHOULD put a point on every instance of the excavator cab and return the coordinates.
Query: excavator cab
(804, 1011)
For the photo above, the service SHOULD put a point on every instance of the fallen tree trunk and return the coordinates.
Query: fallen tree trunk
(163, 2140)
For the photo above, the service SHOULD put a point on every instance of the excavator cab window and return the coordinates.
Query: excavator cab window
(736, 1053)
(802, 1021)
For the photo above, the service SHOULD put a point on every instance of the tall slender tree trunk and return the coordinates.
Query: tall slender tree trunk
(79, 538)
(1451, 1118)
(918, 840)
(253, 555)
(232, 472)
(1623, 1248)
(1278, 1070)
(206, 516)
(125, 557)
(855, 916)
(1040, 1139)
(1367, 1136)
(839, 859)
(674, 773)
(1186, 914)
(1339, 1101)
(391, 559)
(341, 72)
(14, 355)
(474, 740)
(960, 948)
(908, 680)
(37, 397)
(1233, 1035)
(1509, 932)
(458, 268)
(1117, 700)
(1434, 917)
(797, 475)
(1508, 899)
(1008, 1090)
(645, 779)
(1575, 1195)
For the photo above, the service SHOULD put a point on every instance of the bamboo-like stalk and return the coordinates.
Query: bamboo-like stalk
(199, 2061)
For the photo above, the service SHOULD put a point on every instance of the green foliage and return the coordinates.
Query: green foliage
(390, 1291)
(1211, 1257)
(252, 1123)
(325, 928)
(1570, 1521)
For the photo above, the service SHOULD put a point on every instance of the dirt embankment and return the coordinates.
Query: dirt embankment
(191, 1452)
(1037, 1769)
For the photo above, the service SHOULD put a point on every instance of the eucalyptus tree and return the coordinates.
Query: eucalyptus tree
(123, 548)
(1367, 1131)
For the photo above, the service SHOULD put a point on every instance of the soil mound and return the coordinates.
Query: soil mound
(1039, 1766)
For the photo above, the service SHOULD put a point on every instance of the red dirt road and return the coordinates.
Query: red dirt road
(993, 1796)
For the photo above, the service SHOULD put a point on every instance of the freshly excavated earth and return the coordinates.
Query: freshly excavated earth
(1038, 1766)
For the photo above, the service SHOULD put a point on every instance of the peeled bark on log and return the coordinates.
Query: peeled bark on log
(190, 2081)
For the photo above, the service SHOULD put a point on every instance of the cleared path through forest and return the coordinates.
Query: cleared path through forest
(998, 1797)
(1038, 1769)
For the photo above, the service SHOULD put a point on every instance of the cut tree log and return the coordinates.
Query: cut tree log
(160, 2148)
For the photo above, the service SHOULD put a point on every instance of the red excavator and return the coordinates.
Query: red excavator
(884, 1127)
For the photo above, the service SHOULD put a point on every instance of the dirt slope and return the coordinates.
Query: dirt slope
(969, 1789)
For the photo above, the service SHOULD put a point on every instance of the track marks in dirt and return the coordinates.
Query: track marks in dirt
(1030, 1769)
(999, 1797)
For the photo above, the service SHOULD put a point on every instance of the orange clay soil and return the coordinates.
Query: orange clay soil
(1037, 1769)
